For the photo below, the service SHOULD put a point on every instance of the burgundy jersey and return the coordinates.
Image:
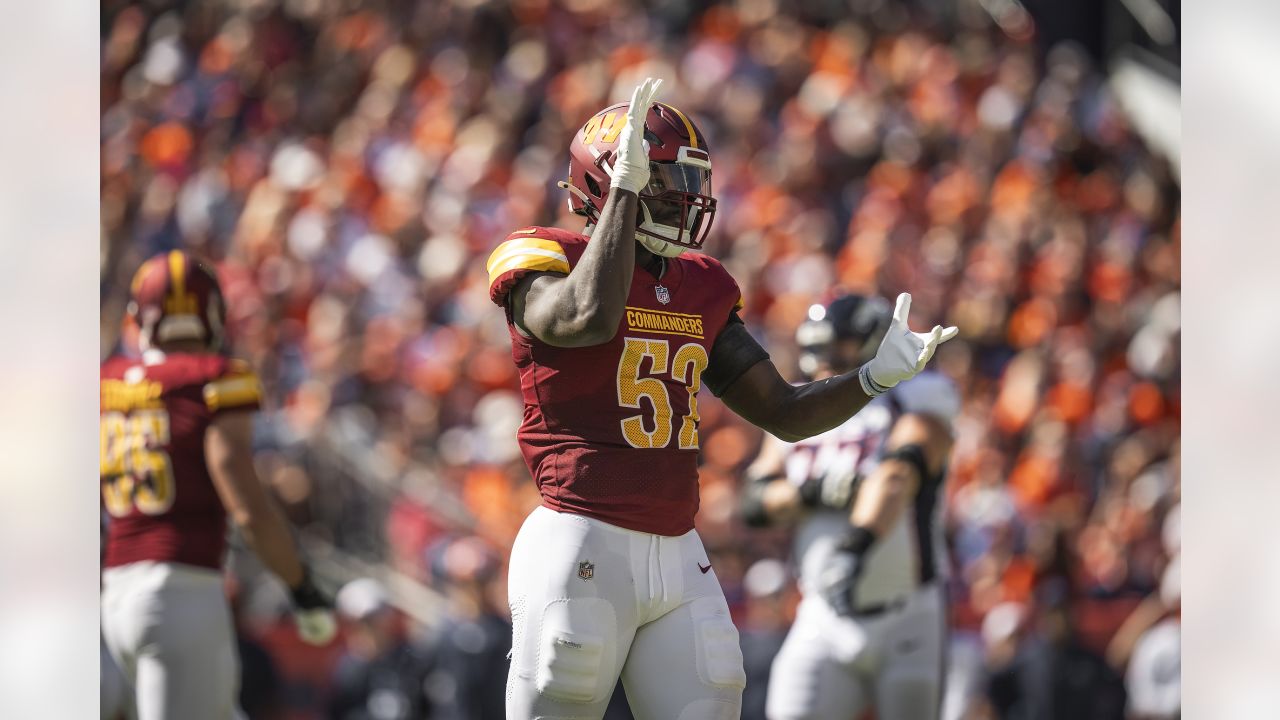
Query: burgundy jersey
(155, 484)
(611, 431)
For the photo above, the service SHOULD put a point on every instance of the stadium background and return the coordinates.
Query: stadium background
(348, 166)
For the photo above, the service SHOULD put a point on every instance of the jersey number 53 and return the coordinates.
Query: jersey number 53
(686, 367)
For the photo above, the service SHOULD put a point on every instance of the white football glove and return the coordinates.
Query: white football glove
(902, 354)
(316, 627)
(631, 167)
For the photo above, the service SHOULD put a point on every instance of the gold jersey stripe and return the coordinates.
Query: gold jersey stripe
(230, 392)
(502, 259)
(537, 263)
(505, 258)
(739, 305)
(515, 245)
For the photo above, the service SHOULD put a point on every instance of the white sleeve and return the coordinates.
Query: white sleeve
(929, 393)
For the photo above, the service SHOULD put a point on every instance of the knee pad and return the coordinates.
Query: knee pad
(716, 640)
(577, 654)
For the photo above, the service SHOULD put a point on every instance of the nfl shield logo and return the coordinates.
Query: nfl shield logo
(586, 569)
(664, 296)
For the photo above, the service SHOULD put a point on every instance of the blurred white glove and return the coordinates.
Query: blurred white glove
(315, 627)
(313, 612)
(631, 167)
(902, 354)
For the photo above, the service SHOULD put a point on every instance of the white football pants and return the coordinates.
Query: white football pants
(591, 601)
(834, 668)
(111, 686)
(169, 629)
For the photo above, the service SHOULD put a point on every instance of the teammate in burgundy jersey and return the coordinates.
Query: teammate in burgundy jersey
(614, 332)
(175, 460)
(155, 482)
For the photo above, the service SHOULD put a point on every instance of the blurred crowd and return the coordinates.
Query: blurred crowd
(349, 165)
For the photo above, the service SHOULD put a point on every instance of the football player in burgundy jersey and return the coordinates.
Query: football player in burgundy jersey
(614, 332)
(175, 462)
(865, 497)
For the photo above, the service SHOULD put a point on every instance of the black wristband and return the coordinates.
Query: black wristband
(753, 512)
(752, 504)
(857, 540)
(911, 454)
(870, 387)
(306, 596)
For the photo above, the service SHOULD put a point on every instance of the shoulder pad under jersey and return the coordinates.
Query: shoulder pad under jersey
(533, 249)
(717, 269)
(236, 387)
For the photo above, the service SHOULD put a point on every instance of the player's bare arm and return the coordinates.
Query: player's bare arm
(917, 444)
(228, 449)
(229, 454)
(1150, 611)
(794, 412)
(915, 453)
(791, 412)
(585, 307)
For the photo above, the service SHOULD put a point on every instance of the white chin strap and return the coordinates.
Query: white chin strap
(575, 192)
(656, 237)
(658, 247)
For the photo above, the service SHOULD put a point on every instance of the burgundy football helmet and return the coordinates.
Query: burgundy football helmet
(676, 207)
(176, 297)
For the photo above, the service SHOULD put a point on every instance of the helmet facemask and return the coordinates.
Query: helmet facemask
(676, 207)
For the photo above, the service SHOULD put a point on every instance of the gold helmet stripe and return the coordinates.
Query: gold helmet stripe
(177, 275)
(693, 136)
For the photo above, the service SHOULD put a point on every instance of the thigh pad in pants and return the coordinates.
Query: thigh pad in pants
(577, 652)
(716, 639)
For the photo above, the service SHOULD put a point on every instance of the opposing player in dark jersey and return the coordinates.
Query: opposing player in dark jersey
(175, 462)
(614, 332)
(865, 499)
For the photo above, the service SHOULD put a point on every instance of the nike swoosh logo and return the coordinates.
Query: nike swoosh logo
(704, 569)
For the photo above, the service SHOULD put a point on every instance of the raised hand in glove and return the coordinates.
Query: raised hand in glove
(631, 167)
(838, 578)
(902, 353)
(313, 613)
